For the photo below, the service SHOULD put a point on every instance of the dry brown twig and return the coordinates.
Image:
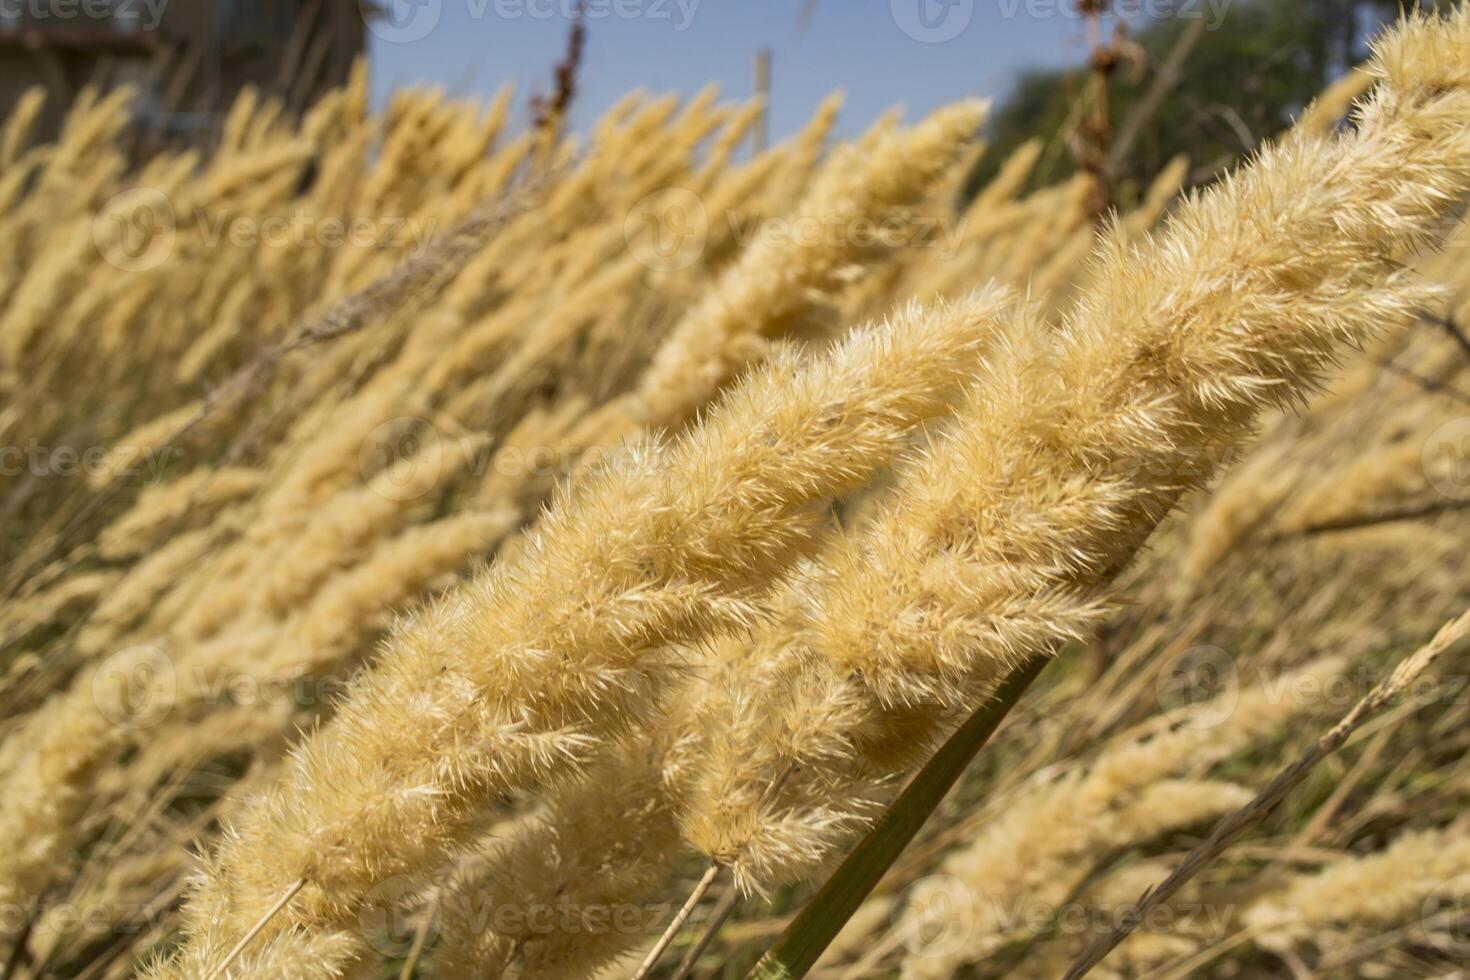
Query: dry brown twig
(1092, 139)
(551, 112)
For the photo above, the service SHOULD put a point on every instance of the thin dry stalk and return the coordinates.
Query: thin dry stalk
(711, 874)
(1229, 829)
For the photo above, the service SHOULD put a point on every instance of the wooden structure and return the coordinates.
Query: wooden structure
(189, 58)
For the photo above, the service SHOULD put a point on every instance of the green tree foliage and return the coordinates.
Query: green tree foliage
(1253, 66)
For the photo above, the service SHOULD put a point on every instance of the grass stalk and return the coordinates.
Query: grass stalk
(827, 912)
(682, 916)
(1232, 825)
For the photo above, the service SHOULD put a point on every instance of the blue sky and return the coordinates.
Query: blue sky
(917, 53)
